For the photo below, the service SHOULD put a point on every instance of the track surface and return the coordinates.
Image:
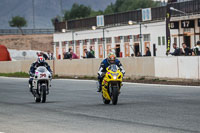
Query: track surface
(73, 106)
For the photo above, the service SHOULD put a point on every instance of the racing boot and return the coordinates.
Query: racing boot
(30, 88)
(99, 88)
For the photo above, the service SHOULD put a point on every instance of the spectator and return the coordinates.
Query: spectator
(177, 51)
(88, 54)
(138, 54)
(187, 51)
(92, 51)
(52, 57)
(67, 55)
(49, 55)
(44, 55)
(197, 49)
(74, 56)
(38, 54)
(148, 52)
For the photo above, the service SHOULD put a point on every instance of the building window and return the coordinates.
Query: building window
(117, 39)
(109, 40)
(84, 42)
(147, 38)
(92, 41)
(175, 40)
(136, 38)
(126, 39)
(187, 30)
(163, 40)
(57, 44)
(159, 40)
(100, 40)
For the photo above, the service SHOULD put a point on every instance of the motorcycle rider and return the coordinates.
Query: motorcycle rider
(111, 59)
(40, 62)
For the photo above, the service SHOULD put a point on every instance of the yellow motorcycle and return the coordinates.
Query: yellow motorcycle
(111, 84)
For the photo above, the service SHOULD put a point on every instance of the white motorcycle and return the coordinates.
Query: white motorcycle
(41, 84)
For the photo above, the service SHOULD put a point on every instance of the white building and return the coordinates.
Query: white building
(125, 40)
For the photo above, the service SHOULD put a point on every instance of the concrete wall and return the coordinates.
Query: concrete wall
(159, 67)
(177, 67)
(166, 67)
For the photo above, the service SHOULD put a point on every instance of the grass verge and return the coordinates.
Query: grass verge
(16, 74)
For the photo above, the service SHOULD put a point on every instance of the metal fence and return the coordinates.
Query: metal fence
(25, 31)
(158, 13)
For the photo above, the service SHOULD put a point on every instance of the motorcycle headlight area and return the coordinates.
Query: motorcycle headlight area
(115, 75)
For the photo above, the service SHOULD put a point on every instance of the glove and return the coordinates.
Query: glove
(32, 75)
(103, 74)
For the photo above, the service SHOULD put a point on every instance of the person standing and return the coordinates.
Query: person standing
(187, 51)
(177, 51)
(197, 49)
(74, 56)
(92, 51)
(88, 54)
(68, 55)
(148, 52)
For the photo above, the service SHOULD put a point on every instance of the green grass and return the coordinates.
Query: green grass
(16, 74)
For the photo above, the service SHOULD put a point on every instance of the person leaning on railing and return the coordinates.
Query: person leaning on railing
(177, 51)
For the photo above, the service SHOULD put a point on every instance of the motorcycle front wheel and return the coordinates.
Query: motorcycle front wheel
(115, 94)
(43, 93)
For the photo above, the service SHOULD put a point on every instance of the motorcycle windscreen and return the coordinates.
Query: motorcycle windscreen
(114, 68)
(41, 69)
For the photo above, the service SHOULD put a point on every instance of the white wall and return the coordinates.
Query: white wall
(178, 67)
(188, 67)
(150, 28)
(166, 67)
(17, 54)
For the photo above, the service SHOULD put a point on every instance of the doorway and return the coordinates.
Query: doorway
(136, 48)
(117, 50)
(187, 41)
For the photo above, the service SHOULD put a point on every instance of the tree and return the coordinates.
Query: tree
(128, 5)
(77, 11)
(96, 13)
(109, 9)
(18, 22)
(80, 11)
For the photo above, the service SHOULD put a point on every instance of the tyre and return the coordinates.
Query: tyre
(37, 99)
(115, 94)
(43, 93)
(105, 101)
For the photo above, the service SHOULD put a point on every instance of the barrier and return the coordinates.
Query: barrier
(155, 67)
(166, 67)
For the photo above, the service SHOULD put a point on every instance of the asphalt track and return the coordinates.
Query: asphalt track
(74, 106)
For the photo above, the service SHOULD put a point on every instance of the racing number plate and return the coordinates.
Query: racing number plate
(42, 75)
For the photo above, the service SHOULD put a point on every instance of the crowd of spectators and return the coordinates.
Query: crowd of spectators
(48, 56)
(71, 55)
(186, 51)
